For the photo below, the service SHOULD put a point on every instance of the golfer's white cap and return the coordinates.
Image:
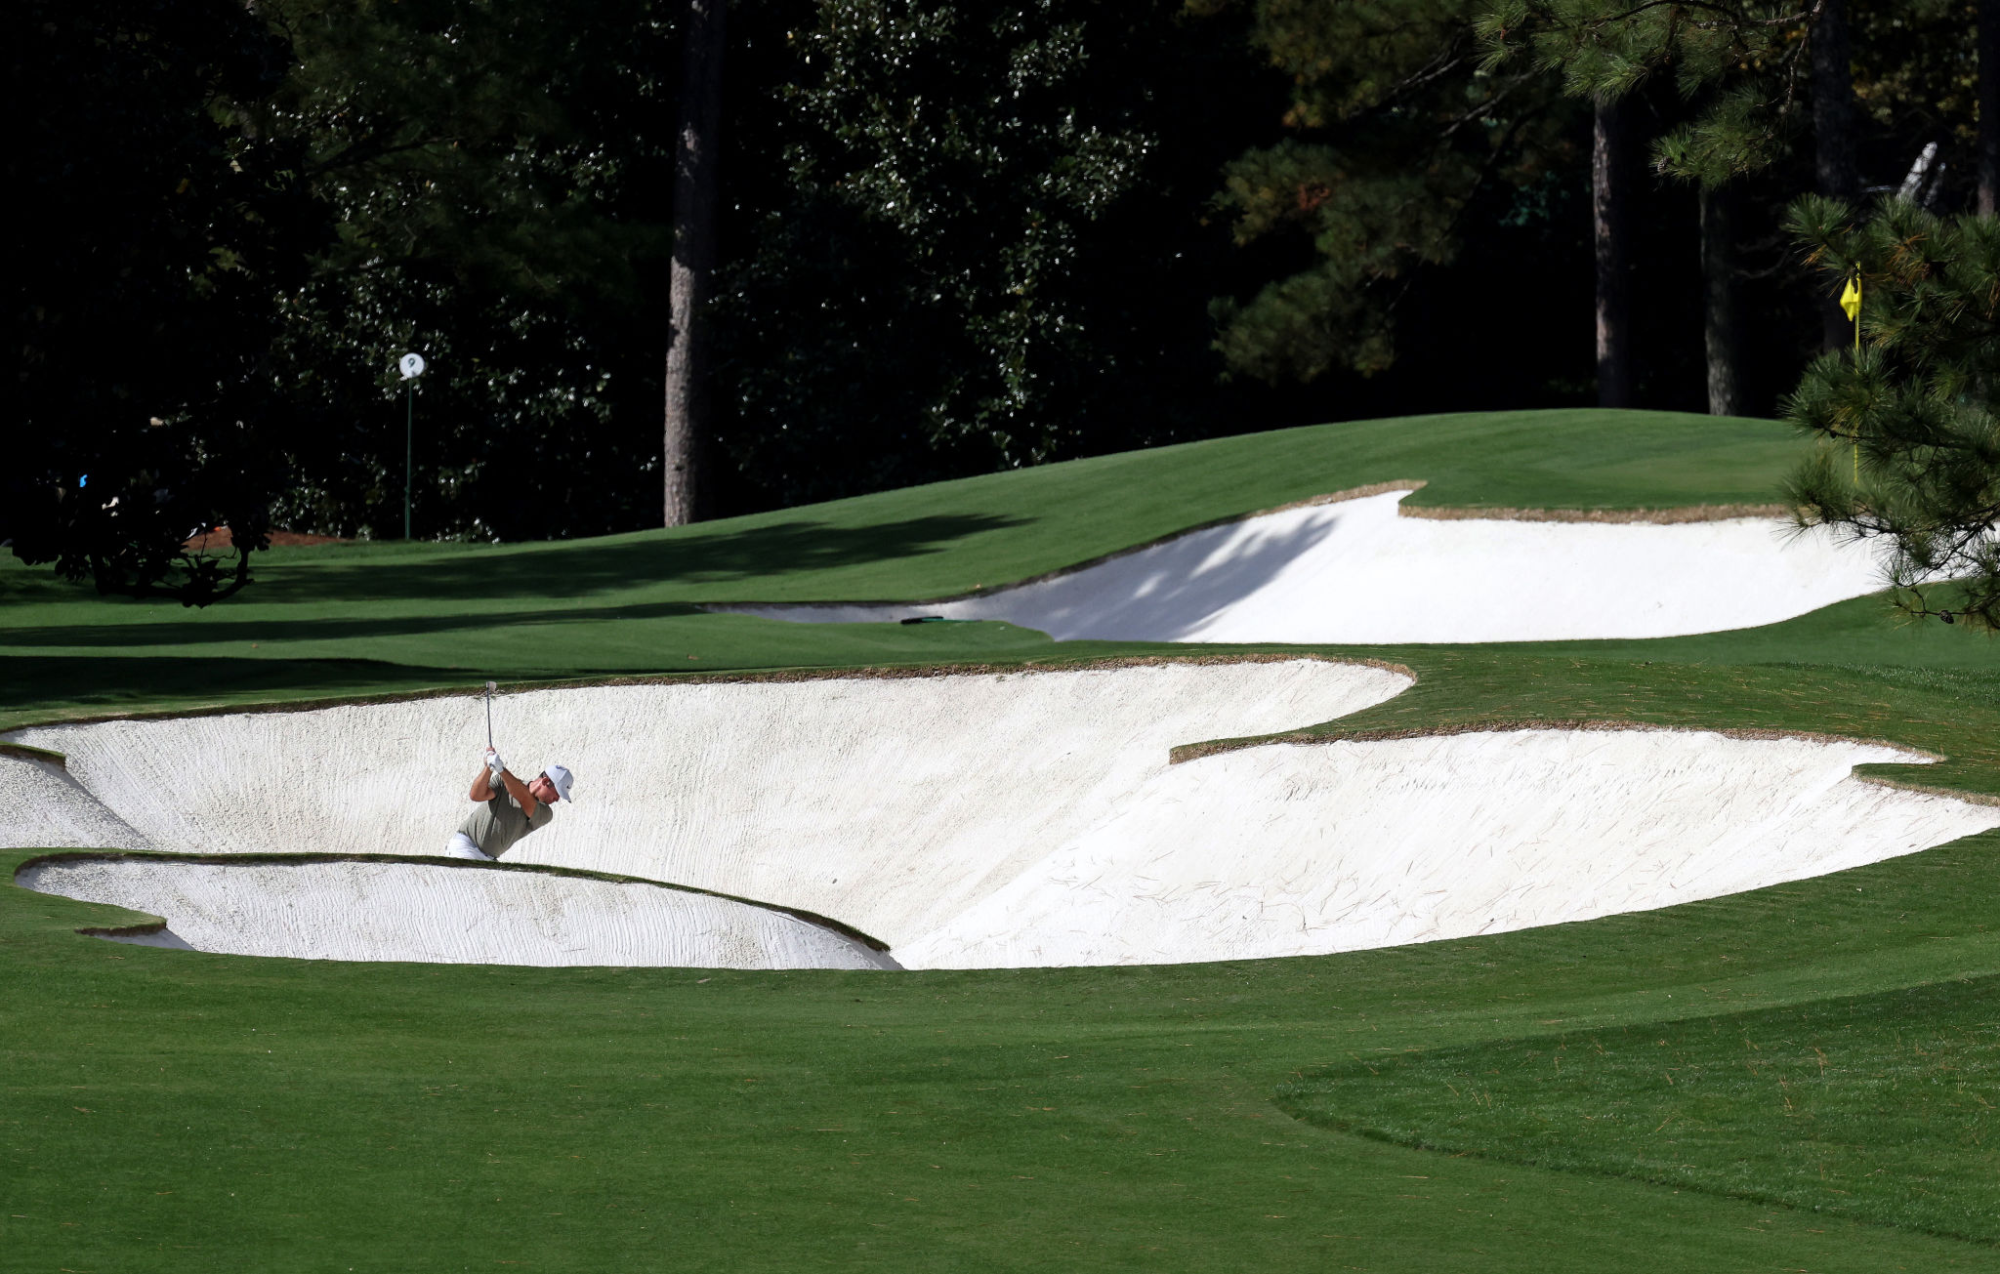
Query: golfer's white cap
(561, 777)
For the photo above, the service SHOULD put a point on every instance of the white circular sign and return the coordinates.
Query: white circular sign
(412, 365)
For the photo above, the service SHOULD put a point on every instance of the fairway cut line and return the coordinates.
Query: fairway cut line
(1024, 818)
(1365, 571)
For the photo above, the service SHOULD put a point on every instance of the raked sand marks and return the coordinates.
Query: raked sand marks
(886, 796)
(1353, 571)
(891, 800)
(1034, 819)
(441, 914)
(1296, 849)
(47, 808)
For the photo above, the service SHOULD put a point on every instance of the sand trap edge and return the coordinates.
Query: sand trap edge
(118, 932)
(27, 752)
(1623, 517)
(1673, 516)
(747, 676)
(285, 860)
(1196, 751)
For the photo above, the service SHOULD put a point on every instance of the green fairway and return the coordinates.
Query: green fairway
(1875, 1106)
(225, 1111)
(172, 1110)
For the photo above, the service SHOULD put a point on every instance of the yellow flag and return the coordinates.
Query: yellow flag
(1850, 300)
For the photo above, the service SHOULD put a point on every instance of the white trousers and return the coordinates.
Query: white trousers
(462, 846)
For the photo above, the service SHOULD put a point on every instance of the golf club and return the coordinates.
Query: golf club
(490, 688)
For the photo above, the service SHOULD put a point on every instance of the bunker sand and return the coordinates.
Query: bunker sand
(966, 820)
(439, 914)
(1354, 571)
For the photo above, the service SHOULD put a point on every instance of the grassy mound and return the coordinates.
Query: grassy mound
(392, 617)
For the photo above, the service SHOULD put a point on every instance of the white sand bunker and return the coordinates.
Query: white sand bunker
(447, 915)
(1292, 849)
(1356, 572)
(1033, 818)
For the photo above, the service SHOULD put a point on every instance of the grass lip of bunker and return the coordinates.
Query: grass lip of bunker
(1007, 819)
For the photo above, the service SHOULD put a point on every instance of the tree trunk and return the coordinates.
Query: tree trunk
(694, 255)
(1833, 137)
(1609, 179)
(1719, 328)
(1989, 107)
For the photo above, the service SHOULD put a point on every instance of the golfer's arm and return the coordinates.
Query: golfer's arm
(482, 789)
(519, 791)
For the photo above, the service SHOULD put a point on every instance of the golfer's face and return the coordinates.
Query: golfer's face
(543, 790)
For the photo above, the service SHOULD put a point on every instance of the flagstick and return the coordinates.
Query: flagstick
(1852, 294)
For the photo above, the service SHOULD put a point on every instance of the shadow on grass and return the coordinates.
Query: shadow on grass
(688, 557)
(43, 688)
(128, 636)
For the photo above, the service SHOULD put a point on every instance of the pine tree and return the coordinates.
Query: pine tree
(1909, 426)
(1397, 129)
(696, 161)
(1741, 63)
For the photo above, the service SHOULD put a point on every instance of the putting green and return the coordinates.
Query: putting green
(173, 1109)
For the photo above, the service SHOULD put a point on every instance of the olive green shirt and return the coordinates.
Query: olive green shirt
(495, 825)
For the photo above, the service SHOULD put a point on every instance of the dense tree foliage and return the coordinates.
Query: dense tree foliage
(1910, 425)
(1744, 69)
(950, 242)
(988, 248)
(1398, 129)
(155, 228)
(499, 213)
(951, 239)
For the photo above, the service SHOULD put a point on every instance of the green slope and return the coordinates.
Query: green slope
(951, 537)
(1874, 1106)
(208, 1112)
(185, 1111)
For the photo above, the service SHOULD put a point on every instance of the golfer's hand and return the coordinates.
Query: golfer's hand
(494, 763)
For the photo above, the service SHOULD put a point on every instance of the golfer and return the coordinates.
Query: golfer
(508, 809)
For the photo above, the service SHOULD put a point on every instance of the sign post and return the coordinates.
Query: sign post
(412, 366)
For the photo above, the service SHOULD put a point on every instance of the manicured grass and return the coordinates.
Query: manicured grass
(1951, 713)
(1875, 1106)
(45, 685)
(171, 1110)
(207, 1112)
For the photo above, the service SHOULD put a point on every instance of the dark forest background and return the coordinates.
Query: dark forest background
(952, 239)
